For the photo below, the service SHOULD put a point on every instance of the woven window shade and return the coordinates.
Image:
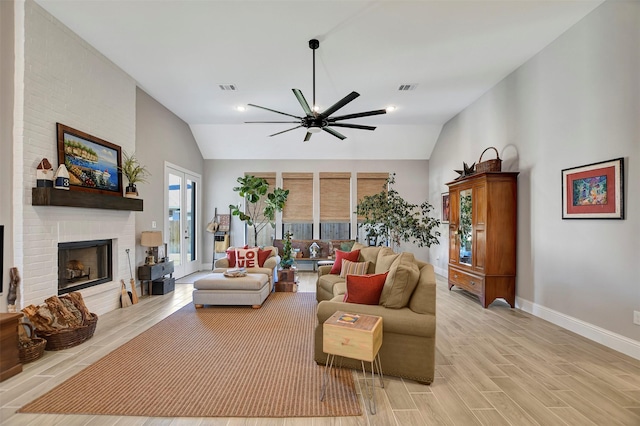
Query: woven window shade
(270, 177)
(299, 205)
(370, 184)
(335, 197)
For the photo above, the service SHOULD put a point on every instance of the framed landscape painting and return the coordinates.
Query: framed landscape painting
(594, 191)
(93, 163)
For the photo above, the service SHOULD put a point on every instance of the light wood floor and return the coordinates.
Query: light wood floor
(496, 366)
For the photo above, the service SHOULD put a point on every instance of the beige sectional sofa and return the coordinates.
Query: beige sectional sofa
(407, 307)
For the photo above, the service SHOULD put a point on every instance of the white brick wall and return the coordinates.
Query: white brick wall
(68, 81)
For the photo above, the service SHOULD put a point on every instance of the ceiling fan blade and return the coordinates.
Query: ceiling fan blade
(273, 110)
(342, 102)
(358, 114)
(334, 133)
(352, 126)
(288, 130)
(303, 101)
(294, 122)
(307, 136)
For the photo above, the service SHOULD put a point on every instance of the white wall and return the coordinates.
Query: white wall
(577, 102)
(220, 178)
(161, 136)
(66, 81)
(6, 140)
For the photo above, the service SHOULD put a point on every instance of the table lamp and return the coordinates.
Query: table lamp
(151, 239)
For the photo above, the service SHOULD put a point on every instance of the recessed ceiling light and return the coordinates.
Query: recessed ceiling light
(391, 108)
(241, 108)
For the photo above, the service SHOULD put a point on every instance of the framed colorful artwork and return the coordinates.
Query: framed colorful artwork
(445, 207)
(93, 164)
(594, 191)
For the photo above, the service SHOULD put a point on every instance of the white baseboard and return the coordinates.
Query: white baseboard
(607, 338)
(440, 271)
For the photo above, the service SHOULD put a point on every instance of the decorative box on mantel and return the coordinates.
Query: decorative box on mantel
(57, 197)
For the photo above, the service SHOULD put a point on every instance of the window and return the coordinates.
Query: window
(335, 206)
(297, 216)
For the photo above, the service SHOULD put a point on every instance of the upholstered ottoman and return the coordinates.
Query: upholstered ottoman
(217, 289)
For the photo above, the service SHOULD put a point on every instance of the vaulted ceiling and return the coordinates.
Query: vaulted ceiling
(451, 52)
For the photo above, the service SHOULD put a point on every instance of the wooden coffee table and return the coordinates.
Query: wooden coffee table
(355, 336)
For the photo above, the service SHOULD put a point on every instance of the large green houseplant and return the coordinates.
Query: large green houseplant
(261, 205)
(393, 219)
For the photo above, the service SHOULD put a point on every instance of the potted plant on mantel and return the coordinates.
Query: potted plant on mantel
(134, 172)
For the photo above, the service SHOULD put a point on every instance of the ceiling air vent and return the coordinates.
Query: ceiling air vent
(406, 87)
(228, 87)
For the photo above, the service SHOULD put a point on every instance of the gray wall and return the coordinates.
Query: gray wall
(160, 136)
(220, 177)
(6, 139)
(577, 102)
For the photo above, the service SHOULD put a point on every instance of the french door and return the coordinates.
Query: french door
(182, 207)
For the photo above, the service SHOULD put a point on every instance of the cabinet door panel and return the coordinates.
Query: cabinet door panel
(480, 249)
(479, 205)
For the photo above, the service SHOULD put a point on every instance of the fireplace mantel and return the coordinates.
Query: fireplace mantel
(66, 198)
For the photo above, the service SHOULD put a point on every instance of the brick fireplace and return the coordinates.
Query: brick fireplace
(67, 81)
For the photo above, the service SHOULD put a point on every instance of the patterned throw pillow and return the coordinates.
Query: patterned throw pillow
(247, 258)
(353, 268)
(348, 255)
(364, 289)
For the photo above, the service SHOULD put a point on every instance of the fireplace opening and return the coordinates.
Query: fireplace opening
(83, 264)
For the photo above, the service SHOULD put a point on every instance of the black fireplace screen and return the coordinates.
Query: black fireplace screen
(83, 264)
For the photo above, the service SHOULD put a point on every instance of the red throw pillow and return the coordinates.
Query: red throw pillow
(365, 289)
(263, 255)
(231, 256)
(346, 255)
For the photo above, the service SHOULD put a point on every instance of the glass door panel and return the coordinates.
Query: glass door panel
(464, 231)
(174, 195)
(182, 220)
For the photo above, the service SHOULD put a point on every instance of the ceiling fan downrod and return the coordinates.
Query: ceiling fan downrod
(314, 44)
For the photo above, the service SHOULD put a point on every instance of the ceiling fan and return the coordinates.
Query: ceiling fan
(315, 121)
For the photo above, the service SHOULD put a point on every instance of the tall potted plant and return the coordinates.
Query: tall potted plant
(261, 205)
(134, 172)
(392, 219)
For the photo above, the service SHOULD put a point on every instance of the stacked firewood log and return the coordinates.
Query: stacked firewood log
(57, 313)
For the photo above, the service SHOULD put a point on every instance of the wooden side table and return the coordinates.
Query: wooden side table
(287, 280)
(356, 336)
(9, 352)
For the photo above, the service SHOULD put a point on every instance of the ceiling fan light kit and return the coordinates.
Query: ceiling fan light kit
(314, 120)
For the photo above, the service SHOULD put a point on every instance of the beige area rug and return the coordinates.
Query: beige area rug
(212, 362)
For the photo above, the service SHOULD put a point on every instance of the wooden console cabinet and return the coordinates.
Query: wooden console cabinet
(154, 275)
(482, 235)
(9, 353)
